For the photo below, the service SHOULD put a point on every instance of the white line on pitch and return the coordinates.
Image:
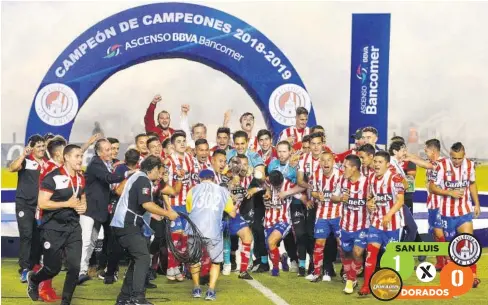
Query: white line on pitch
(267, 292)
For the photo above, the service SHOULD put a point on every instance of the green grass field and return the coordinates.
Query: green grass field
(230, 290)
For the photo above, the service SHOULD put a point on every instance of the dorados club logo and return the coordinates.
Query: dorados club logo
(56, 104)
(465, 250)
(284, 101)
(385, 284)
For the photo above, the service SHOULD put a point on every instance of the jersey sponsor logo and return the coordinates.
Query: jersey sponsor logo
(284, 101)
(56, 104)
(355, 204)
(383, 199)
(456, 184)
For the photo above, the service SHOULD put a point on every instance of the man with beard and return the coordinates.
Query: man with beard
(223, 139)
(28, 166)
(266, 149)
(62, 197)
(164, 120)
(295, 134)
(287, 164)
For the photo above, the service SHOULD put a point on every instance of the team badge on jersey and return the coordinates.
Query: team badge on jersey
(465, 250)
(146, 191)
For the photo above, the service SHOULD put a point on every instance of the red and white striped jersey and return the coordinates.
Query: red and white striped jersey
(433, 200)
(354, 211)
(278, 210)
(295, 133)
(46, 168)
(270, 155)
(367, 171)
(448, 177)
(308, 165)
(253, 143)
(198, 167)
(385, 190)
(246, 181)
(177, 163)
(141, 158)
(327, 185)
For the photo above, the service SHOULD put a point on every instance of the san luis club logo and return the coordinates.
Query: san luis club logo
(361, 73)
(56, 104)
(113, 51)
(465, 250)
(284, 101)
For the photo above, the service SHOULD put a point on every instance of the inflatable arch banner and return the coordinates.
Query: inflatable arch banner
(169, 30)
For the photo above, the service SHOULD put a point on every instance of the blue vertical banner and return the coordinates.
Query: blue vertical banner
(370, 56)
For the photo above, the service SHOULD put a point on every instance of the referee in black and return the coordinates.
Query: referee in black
(28, 166)
(62, 199)
(131, 217)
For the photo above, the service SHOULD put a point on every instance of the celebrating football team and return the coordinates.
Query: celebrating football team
(244, 195)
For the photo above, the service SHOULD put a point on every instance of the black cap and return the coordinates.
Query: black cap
(358, 134)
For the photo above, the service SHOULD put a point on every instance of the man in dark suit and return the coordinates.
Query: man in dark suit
(98, 178)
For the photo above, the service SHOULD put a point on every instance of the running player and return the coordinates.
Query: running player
(353, 193)
(55, 147)
(455, 181)
(385, 206)
(278, 198)
(179, 161)
(328, 215)
(294, 134)
(62, 197)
